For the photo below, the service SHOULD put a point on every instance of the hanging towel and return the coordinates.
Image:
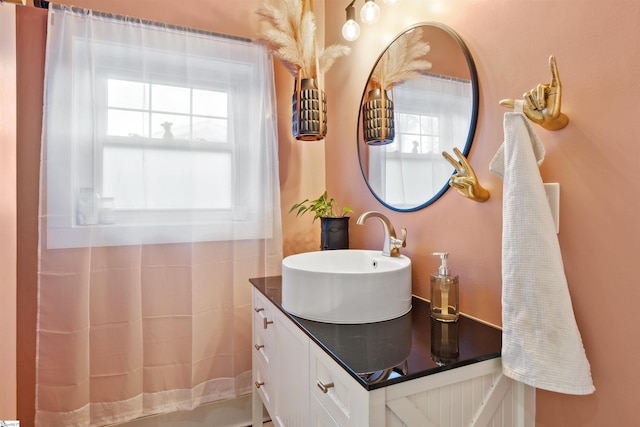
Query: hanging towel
(541, 343)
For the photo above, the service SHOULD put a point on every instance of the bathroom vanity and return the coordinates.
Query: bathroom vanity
(409, 371)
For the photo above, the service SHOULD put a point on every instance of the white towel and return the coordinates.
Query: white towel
(541, 343)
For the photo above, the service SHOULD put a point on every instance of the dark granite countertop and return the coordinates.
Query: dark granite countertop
(384, 353)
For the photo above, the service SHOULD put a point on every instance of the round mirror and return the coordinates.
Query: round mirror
(421, 99)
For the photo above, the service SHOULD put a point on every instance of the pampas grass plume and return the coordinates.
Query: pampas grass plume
(289, 33)
(402, 61)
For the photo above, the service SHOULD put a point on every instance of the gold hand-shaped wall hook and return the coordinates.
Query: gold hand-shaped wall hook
(465, 180)
(542, 103)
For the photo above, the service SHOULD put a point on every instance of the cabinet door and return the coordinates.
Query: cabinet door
(292, 395)
(320, 417)
(346, 401)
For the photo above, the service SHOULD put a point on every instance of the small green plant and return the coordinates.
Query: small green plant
(322, 207)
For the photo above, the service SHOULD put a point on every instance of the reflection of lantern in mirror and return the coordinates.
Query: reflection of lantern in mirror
(402, 61)
(377, 118)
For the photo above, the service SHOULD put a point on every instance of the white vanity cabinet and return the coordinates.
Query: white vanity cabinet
(301, 385)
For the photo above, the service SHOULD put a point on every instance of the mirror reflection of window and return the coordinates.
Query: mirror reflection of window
(432, 115)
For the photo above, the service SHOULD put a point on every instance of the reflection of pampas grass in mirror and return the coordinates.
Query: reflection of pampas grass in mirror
(289, 34)
(402, 61)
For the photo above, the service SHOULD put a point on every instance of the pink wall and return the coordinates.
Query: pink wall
(8, 256)
(511, 42)
(593, 160)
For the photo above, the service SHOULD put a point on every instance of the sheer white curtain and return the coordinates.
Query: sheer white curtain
(159, 199)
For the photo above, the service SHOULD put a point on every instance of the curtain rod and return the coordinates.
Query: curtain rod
(45, 5)
(446, 77)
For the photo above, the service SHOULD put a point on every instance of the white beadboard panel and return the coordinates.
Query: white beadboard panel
(490, 399)
(490, 412)
(292, 409)
(444, 378)
(405, 410)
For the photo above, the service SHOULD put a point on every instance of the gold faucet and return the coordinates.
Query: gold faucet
(392, 244)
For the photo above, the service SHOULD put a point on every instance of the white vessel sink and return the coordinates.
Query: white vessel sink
(346, 286)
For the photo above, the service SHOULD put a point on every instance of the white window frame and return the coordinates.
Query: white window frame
(249, 191)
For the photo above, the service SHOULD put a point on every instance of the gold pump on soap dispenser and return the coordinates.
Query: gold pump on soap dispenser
(444, 292)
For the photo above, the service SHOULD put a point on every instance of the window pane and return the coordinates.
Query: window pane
(408, 123)
(121, 178)
(170, 126)
(172, 99)
(394, 146)
(429, 125)
(184, 180)
(161, 179)
(409, 144)
(127, 123)
(127, 94)
(431, 144)
(209, 103)
(210, 130)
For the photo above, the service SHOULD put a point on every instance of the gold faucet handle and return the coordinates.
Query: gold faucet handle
(404, 236)
(400, 242)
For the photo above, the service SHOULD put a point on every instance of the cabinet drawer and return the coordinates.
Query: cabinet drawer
(264, 340)
(264, 384)
(342, 397)
(264, 347)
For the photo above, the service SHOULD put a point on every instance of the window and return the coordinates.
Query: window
(179, 135)
(157, 138)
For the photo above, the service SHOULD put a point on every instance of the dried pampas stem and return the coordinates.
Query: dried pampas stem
(290, 36)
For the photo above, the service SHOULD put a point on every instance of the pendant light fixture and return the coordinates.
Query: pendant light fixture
(351, 29)
(370, 12)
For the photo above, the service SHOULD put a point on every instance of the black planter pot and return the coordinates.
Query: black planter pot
(334, 233)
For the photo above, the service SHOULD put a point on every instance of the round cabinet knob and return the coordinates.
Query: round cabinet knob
(259, 384)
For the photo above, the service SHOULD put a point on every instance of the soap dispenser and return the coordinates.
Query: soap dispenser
(444, 292)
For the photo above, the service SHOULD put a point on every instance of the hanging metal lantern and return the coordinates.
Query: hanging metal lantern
(309, 111)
